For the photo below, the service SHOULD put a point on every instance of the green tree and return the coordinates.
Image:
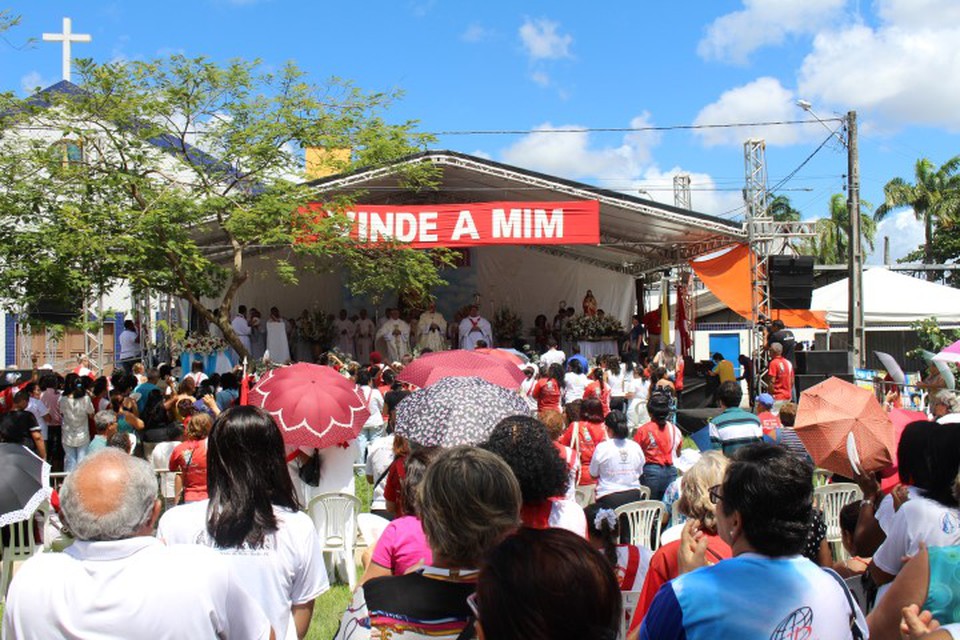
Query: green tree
(781, 209)
(169, 174)
(934, 197)
(831, 244)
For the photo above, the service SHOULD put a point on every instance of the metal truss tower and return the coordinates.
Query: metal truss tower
(681, 191)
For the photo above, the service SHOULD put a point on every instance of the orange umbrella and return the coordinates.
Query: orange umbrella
(831, 410)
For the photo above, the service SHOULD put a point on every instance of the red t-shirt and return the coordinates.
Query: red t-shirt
(651, 321)
(547, 393)
(658, 444)
(664, 567)
(590, 434)
(769, 423)
(593, 390)
(781, 372)
(190, 459)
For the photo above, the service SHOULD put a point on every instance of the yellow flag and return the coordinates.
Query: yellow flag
(665, 312)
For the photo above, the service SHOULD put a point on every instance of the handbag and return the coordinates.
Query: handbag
(310, 470)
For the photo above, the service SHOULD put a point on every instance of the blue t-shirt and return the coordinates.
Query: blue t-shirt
(226, 398)
(752, 597)
(144, 390)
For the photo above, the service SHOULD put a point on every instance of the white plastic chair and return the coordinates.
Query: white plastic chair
(335, 517)
(585, 495)
(644, 492)
(20, 545)
(644, 518)
(831, 499)
(630, 601)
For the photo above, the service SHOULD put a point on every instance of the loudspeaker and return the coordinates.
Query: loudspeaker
(805, 381)
(791, 282)
(822, 362)
(55, 312)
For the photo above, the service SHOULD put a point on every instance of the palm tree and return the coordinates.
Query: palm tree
(934, 198)
(831, 245)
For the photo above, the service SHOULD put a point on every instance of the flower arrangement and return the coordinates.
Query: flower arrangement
(202, 344)
(323, 330)
(507, 325)
(592, 327)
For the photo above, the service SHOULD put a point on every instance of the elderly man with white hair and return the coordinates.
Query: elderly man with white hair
(945, 407)
(117, 580)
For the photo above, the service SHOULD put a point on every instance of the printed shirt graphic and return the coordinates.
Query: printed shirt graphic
(800, 600)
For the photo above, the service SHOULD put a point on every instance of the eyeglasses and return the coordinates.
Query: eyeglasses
(474, 603)
(714, 493)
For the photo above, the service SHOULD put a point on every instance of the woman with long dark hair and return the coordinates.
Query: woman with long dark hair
(584, 435)
(660, 440)
(253, 518)
(549, 389)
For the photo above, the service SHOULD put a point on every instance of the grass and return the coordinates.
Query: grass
(327, 611)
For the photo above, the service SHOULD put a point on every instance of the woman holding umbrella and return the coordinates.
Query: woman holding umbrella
(253, 518)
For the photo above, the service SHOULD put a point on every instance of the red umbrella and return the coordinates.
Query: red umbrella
(831, 410)
(433, 367)
(504, 355)
(900, 419)
(314, 406)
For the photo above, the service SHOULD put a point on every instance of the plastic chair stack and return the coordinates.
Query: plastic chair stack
(831, 499)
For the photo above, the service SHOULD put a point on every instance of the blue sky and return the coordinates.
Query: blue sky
(540, 65)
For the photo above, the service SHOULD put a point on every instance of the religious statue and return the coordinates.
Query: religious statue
(345, 332)
(589, 304)
(432, 328)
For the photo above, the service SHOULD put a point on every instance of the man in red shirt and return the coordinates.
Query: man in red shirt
(768, 421)
(779, 376)
(651, 322)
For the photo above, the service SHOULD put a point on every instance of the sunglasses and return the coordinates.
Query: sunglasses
(474, 603)
(714, 493)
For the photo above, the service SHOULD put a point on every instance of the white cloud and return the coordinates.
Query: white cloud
(542, 40)
(906, 71)
(475, 33)
(763, 100)
(540, 78)
(627, 167)
(734, 36)
(34, 81)
(569, 154)
(905, 233)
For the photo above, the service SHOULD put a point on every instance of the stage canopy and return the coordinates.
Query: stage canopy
(890, 298)
(636, 236)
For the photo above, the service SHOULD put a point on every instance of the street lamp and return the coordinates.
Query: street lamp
(806, 106)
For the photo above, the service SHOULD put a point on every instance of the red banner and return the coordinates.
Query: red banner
(477, 224)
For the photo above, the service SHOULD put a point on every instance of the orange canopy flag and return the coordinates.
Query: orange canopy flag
(831, 410)
(728, 277)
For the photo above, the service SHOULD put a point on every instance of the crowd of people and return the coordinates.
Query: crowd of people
(516, 537)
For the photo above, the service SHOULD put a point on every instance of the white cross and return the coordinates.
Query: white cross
(66, 38)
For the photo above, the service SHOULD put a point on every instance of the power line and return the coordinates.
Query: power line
(673, 127)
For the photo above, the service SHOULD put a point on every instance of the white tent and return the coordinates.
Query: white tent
(890, 298)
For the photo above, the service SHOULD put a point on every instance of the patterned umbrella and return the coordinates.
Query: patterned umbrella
(834, 408)
(456, 411)
(314, 406)
(433, 367)
(24, 483)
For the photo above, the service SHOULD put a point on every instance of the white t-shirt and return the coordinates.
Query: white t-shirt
(38, 409)
(74, 412)
(573, 386)
(567, 514)
(885, 512)
(379, 458)
(553, 356)
(160, 459)
(129, 347)
(134, 588)
(918, 520)
(526, 392)
(287, 570)
(336, 472)
(617, 465)
(617, 381)
(375, 404)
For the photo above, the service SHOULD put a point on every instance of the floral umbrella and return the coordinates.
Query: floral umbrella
(456, 411)
(313, 405)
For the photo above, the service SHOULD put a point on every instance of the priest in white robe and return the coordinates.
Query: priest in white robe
(364, 333)
(345, 331)
(474, 328)
(241, 327)
(432, 328)
(395, 334)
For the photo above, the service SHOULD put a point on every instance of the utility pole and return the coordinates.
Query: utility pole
(856, 338)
